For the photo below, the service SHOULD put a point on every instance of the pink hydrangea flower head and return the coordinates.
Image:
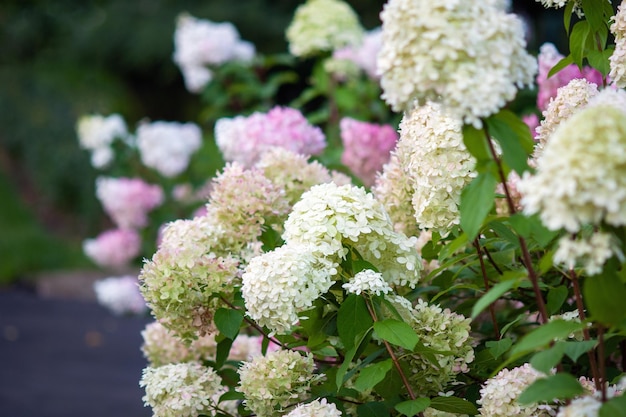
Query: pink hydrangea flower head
(548, 57)
(245, 139)
(128, 200)
(113, 248)
(366, 147)
(532, 121)
(363, 55)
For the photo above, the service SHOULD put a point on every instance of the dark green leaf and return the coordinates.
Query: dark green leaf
(232, 395)
(594, 14)
(575, 349)
(453, 405)
(353, 319)
(543, 335)
(600, 60)
(494, 293)
(373, 409)
(578, 40)
(397, 333)
(498, 347)
(477, 199)
(604, 296)
(514, 138)
(564, 62)
(222, 352)
(615, 407)
(567, 15)
(372, 375)
(556, 298)
(476, 143)
(559, 386)
(228, 321)
(413, 407)
(546, 360)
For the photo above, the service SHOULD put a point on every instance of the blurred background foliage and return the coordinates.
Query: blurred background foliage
(65, 58)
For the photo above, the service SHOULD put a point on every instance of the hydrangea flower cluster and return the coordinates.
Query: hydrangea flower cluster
(367, 281)
(183, 276)
(161, 346)
(271, 383)
(278, 285)
(469, 55)
(357, 58)
(96, 133)
(548, 57)
(498, 397)
(167, 146)
(557, 4)
(581, 175)
(618, 58)
(441, 330)
(581, 407)
(113, 248)
(334, 218)
(322, 26)
(200, 43)
(366, 147)
(121, 295)
(245, 139)
(590, 252)
(432, 153)
(185, 389)
(128, 200)
(316, 408)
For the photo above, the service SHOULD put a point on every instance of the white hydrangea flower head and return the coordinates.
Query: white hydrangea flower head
(498, 396)
(322, 26)
(438, 165)
(167, 146)
(581, 174)
(569, 99)
(161, 346)
(609, 97)
(96, 133)
(441, 330)
(292, 172)
(469, 55)
(278, 285)
(367, 281)
(589, 252)
(617, 60)
(330, 217)
(121, 295)
(271, 383)
(394, 189)
(183, 276)
(587, 406)
(316, 408)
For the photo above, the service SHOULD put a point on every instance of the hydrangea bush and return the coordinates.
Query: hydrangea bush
(462, 266)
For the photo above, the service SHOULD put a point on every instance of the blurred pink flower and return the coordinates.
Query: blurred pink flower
(366, 147)
(113, 248)
(548, 57)
(532, 121)
(128, 200)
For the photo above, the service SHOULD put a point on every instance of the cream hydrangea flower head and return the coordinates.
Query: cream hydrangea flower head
(316, 408)
(323, 26)
(581, 407)
(181, 390)
(278, 285)
(271, 383)
(161, 346)
(468, 54)
(581, 175)
(590, 252)
(618, 58)
(438, 165)
(367, 281)
(332, 218)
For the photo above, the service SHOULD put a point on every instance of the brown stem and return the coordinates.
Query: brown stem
(581, 315)
(492, 309)
(527, 261)
(492, 262)
(405, 381)
(601, 362)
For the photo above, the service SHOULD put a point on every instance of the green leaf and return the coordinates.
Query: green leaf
(615, 407)
(577, 41)
(564, 62)
(543, 335)
(556, 298)
(476, 202)
(567, 15)
(397, 333)
(594, 14)
(453, 405)
(514, 138)
(476, 143)
(228, 321)
(492, 295)
(222, 351)
(549, 358)
(353, 319)
(232, 395)
(372, 375)
(575, 349)
(559, 386)
(600, 60)
(498, 347)
(604, 296)
(412, 407)
(373, 409)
